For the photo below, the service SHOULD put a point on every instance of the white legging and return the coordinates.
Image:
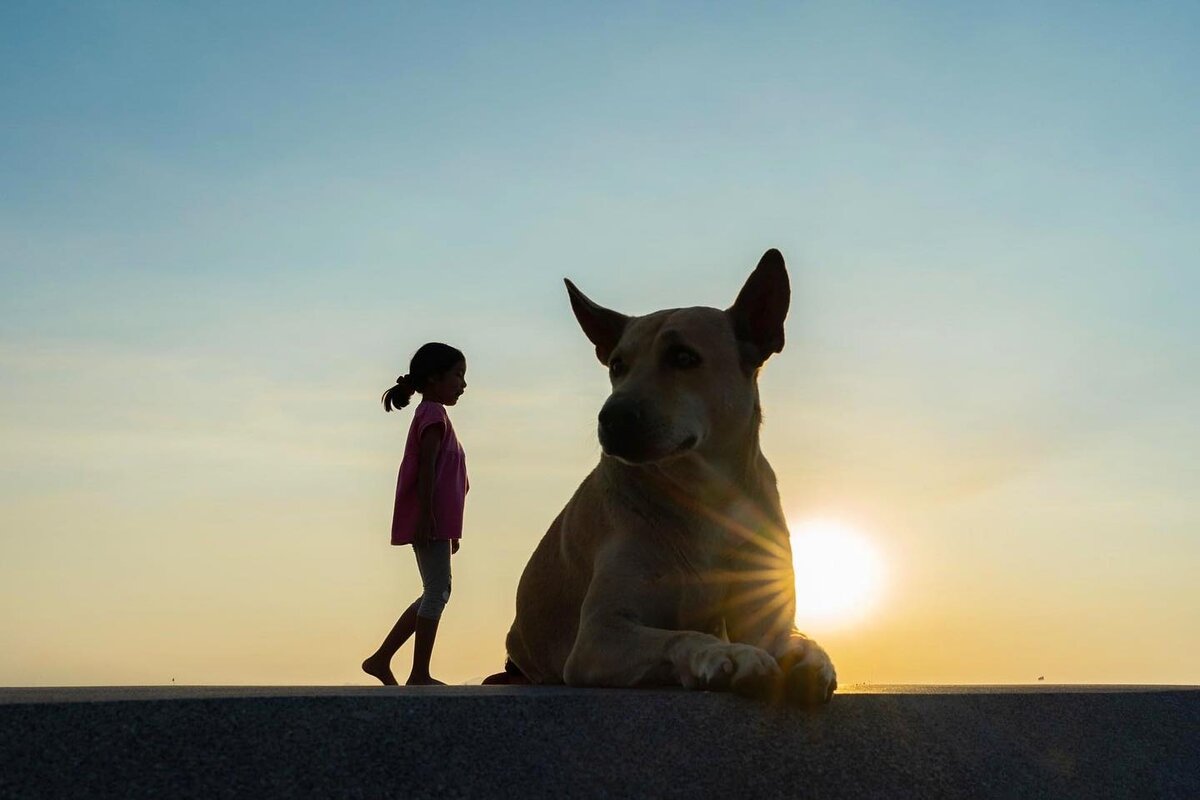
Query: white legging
(433, 560)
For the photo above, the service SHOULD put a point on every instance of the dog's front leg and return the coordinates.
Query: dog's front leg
(616, 653)
(619, 643)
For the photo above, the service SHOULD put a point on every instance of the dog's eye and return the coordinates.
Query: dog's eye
(683, 358)
(617, 368)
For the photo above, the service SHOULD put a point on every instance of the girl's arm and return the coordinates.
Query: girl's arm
(431, 442)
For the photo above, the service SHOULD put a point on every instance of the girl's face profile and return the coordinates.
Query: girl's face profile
(449, 386)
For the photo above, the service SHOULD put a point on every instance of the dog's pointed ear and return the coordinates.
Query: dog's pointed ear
(761, 307)
(602, 326)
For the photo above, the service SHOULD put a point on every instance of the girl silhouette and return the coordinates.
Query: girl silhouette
(430, 493)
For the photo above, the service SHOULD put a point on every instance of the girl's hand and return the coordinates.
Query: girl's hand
(453, 546)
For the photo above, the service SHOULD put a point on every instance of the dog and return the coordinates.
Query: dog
(671, 564)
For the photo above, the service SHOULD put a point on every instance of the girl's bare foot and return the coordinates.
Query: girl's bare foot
(380, 669)
(422, 680)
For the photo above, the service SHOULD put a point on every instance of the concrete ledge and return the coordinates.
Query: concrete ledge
(886, 742)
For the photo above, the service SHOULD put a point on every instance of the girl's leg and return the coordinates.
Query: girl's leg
(379, 663)
(422, 651)
(433, 559)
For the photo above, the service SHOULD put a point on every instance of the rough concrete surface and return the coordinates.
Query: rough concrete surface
(497, 742)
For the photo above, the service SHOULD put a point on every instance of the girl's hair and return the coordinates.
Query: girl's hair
(430, 359)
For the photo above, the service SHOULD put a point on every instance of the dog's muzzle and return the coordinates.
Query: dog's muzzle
(631, 432)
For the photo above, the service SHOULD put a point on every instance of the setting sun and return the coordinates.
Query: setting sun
(839, 573)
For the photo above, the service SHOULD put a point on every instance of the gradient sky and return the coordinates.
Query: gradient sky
(224, 229)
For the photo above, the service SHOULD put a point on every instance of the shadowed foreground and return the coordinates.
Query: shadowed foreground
(521, 742)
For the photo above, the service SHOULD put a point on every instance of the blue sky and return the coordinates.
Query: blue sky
(225, 227)
(295, 141)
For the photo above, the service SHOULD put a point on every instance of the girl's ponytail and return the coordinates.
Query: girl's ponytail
(399, 395)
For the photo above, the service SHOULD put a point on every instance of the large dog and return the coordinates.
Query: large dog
(671, 564)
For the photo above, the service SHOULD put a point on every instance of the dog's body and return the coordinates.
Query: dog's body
(671, 564)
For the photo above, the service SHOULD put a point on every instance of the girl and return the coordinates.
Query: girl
(430, 493)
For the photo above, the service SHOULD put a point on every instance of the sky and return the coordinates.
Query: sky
(225, 228)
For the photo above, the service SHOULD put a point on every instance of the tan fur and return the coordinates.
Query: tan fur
(671, 564)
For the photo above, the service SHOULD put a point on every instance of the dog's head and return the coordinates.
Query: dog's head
(684, 380)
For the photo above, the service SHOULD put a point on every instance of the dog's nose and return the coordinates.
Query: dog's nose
(620, 420)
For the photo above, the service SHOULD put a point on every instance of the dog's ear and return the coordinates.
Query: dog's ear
(761, 307)
(602, 326)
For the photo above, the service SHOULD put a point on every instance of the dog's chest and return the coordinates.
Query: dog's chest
(694, 574)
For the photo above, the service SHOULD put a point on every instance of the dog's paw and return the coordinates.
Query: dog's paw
(741, 668)
(809, 676)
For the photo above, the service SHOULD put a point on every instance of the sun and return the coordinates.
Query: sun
(839, 574)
